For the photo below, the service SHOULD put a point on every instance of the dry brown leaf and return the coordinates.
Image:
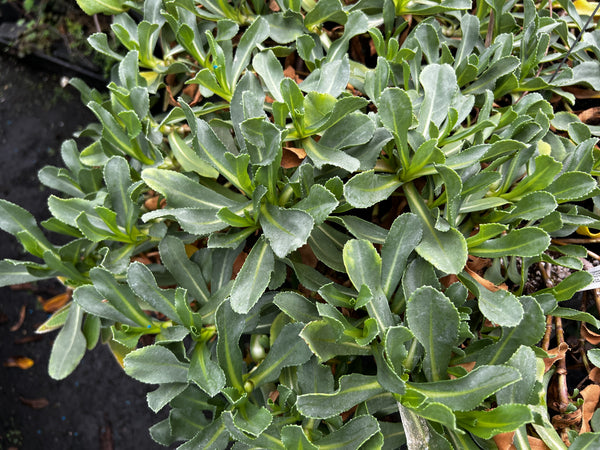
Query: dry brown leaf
(17, 325)
(594, 375)
(591, 396)
(475, 263)
(292, 157)
(56, 302)
(561, 421)
(21, 362)
(504, 441)
(486, 283)
(273, 396)
(590, 336)
(35, 403)
(152, 203)
(192, 90)
(590, 115)
(582, 93)
(273, 6)
(556, 355)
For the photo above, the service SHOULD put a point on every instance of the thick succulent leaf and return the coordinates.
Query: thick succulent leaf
(286, 229)
(14, 220)
(502, 419)
(253, 278)
(15, 272)
(529, 241)
(296, 306)
(534, 206)
(142, 282)
(57, 179)
(524, 361)
(439, 85)
(182, 192)
(69, 346)
(418, 432)
(110, 7)
(293, 437)
(196, 221)
(323, 11)
(204, 371)
(288, 350)
(331, 78)
(327, 244)
(119, 295)
(446, 250)
(210, 148)
(395, 112)
(118, 181)
(263, 140)
(368, 188)
(546, 168)
(230, 326)
(155, 364)
(188, 158)
(486, 231)
(213, 437)
(354, 129)
(387, 377)
(571, 186)
(236, 426)
(257, 32)
(353, 389)
(528, 332)
(352, 435)
(569, 286)
(166, 392)
(270, 71)
(362, 229)
(187, 273)
(319, 203)
(91, 301)
(467, 392)
(586, 441)
(321, 156)
(327, 340)
(403, 237)
(434, 320)
(363, 265)
(500, 307)
(425, 156)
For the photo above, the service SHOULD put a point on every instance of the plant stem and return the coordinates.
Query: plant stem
(563, 390)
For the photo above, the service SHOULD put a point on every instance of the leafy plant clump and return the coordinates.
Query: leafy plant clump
(321, 218)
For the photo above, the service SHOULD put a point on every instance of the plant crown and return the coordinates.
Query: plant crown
(290, 198)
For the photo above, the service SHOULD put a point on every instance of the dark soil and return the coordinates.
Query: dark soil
(98, 406)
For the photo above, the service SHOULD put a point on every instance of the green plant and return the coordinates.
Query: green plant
(300, 252)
